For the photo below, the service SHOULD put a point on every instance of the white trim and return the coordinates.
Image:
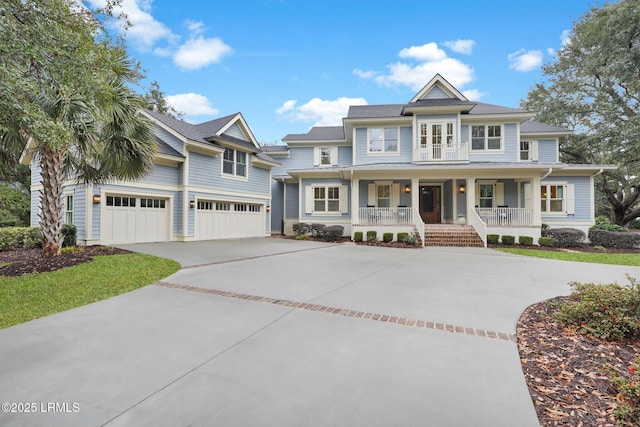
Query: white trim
(234, 176)
(486, 149)
(439, 80)
(383, 152)
(246, 130)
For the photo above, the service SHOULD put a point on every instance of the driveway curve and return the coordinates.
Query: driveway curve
(263, 332)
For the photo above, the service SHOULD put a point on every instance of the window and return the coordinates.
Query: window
(525, 150)
(206, 206)
(68, 209)
(436, 133)
(384, 195)
(221, 206)
(240, 207)
(486, 137)
(552, 199)
(254, 208)
(121, 201)
(152, 203)
(486, 196)
(383, 140)
(326, 199)
(325, 156)
(234, 162)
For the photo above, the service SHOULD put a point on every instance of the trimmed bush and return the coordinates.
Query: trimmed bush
(32, 238)
(412, 239)
(332, 233)
(525, 240)
(387, 237)
(493, 239)
(317, 230)
(565, 237)
(508, 240)
(302, 237)
(9, 238)
(602, 219)
(402, 237)
(301, 228)
(69, 232)
(357, 236)
(603, 311)
(612, 239)
(547, 242)
(610, 227)
(372, 236)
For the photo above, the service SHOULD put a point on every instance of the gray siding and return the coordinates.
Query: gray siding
(161, 174)
(36, 177)
(447, 200)
(461, 199)
(436, 93)
(325, 219)
(170, 140)
(547, 151)
(582, 199)
(363, 188)
(406, 148)
(35, 208)
(510, 193)
(177, 213)
(299, 158)
(345, 156)
(80, 210)
(292, 201)
(235, 131)
(465, 135)
(205, 171)
(277, 206)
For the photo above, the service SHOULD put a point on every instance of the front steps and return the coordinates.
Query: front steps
(463, 236)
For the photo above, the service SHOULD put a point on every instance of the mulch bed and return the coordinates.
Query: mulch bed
(566, 372)
(27, 261)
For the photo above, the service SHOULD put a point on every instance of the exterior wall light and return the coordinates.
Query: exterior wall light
(192, 204)
(96, 199)
(462, 189)
(407, 189)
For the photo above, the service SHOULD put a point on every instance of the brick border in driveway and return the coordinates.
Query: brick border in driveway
(446, 327)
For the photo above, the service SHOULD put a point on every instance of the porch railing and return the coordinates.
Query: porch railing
(385, 216)
(419, 224)
(479, 225)
(441, 153)
(506, 216)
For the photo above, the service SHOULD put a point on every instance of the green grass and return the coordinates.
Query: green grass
(595, 258)
(31, 296)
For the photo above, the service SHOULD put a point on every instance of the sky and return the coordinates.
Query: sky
(288, 65)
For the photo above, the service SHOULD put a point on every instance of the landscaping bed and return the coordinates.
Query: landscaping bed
(28, 261)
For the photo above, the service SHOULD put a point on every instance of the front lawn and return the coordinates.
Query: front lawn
(631, 259)
(24, 298)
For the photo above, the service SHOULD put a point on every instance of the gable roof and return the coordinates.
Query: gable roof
(441, 83)
(534, 127)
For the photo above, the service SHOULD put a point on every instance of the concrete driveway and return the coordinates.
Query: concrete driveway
(272, 332)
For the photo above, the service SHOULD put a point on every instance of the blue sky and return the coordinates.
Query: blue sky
(289, 65)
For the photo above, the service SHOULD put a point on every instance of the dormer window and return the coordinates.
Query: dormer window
(234, 163)
(383, 140)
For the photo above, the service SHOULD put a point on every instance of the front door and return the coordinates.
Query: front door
(430, 204)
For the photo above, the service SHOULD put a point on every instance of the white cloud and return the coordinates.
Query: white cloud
(461, 46)
(428, 60)
(194, 27)
(522, 60)
(319, 111)
(473, 94)
(191, 104)
(565, 37)
(199, 52)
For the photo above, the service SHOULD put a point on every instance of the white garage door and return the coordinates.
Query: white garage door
(128, 219)
(227, 220)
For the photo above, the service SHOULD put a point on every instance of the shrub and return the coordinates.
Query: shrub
(317, 230)
(602, 219)
(9, 238)
(627, 388)
(32, 238)
(387, 237)
(332, 233)
(544, 227)
(547, 242)
(565, 237)
(301, 228)
(635, 224)
(412, 239)
(612, 239)
(493, 239)
(372, 236)
(70, 250)
(302, 237)
(508, 240)
(357, 236)
(607, 311)
(610, 227)
(402, 237)
(525, 240)
(69, 232)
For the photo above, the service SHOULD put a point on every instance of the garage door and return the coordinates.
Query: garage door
(227, 220)
(129, 219)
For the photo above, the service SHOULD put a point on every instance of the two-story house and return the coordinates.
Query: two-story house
(210, 181)
(438, 159)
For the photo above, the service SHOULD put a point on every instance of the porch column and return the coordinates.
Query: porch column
(454, 201)
(536, 195)
(355, 201)
(470, 185)
(415, 196)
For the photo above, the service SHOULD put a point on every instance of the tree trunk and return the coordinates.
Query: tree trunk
(51, 208)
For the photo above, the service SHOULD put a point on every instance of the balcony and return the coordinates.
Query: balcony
(511, 217)
(441, 153)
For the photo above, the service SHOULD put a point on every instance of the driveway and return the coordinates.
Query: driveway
(272, 332)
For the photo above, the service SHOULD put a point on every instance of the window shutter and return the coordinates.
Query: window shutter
(499, 194)
(308, 205)
(570, 199)
(528, 196)
(395, 195)
(316, 156)
(372, 200)
(534, 151)
(334, 156)
(344, 199)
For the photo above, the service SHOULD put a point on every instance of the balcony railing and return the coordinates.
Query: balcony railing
(506, 216)
(385, 216)
(441, 153)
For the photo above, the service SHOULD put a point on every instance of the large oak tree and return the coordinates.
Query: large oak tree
(65, 94)
(593, 87)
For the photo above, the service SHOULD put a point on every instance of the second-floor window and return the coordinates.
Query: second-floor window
(486, 137)
(325, 156)
(383, 140)
(234, 162)
(436, 133)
